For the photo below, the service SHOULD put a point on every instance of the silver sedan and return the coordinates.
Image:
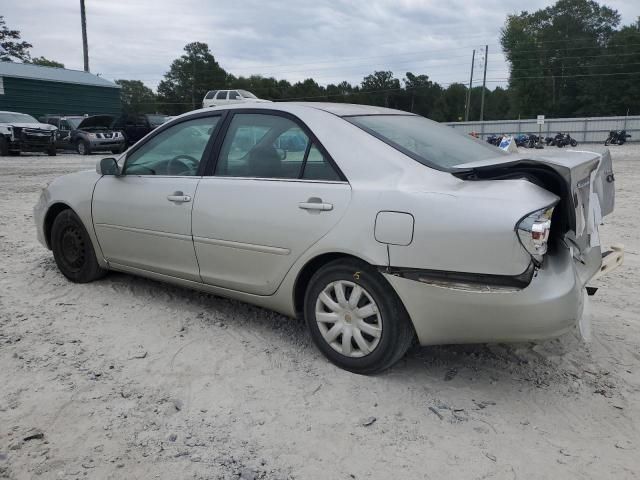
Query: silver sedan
(378, 227)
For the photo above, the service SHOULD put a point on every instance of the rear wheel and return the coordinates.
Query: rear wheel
(83, 147)
(355, 318)
(73, 250)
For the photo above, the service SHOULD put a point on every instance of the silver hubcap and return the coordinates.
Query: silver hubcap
(348, 318)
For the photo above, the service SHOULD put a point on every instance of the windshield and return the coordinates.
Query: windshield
(246, 94)
(74, 121)
(10, 117)
(157, 120)
(426, 141)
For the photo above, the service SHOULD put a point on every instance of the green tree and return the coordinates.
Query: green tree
(421, 95)
(136, 97)
(550, 52)
(45, 62)
(11, 48)
(189, 78)
(383, 86)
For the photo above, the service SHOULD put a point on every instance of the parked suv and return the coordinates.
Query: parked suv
(87, 134)
(213, 98)
(136, 126)
(20, 132)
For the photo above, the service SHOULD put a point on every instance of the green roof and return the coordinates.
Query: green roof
(52, 74)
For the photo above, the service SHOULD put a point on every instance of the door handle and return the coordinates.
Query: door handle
(179, 197)
(315, 204)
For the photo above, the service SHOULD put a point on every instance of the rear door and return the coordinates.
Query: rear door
(264, 205)
(143, 218)
(221, 97)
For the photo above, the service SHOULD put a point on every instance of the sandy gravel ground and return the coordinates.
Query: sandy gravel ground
(129, 378)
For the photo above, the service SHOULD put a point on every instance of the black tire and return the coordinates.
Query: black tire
(574, 143)
(606, 142)
(4, 147)
(73, 250)
(52, 152)
(118, 151)
(397, 333)
(83, 147)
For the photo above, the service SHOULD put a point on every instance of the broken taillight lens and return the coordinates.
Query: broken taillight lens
(533, 232)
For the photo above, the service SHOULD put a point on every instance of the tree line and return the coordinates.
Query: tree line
(196, 72)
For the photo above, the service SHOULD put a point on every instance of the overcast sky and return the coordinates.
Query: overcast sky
(293, 39)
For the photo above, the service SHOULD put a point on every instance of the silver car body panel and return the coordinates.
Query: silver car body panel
(459, 226)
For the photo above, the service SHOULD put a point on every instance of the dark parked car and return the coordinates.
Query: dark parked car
(86, 134)
(20, 132)
(136, 126)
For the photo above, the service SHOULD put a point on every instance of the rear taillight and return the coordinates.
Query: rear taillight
(533, 232)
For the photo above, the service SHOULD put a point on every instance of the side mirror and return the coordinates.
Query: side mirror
(108, 166)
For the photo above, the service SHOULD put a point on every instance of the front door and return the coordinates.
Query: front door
(273, 194)
(143, 217)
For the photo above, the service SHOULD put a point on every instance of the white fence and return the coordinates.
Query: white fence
(589, 130)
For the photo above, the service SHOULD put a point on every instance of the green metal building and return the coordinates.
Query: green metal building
(37, 90)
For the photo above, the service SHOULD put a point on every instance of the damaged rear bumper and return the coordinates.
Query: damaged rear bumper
(550, 305)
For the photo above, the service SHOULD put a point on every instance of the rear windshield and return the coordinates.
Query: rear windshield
(426, 141)
(246, 94)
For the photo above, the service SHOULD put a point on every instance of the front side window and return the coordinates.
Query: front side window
(270, 146)
(177, 151)
(233, 95)
(222, 95)
(426, 141)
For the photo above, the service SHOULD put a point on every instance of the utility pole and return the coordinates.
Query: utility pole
(466, 112)
(85, 45)
(484, 81)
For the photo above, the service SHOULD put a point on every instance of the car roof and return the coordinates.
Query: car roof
(339, 109)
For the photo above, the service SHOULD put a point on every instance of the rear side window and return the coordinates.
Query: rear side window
(222, 94)
(317, 167)
(426, 141)
(271, 146)
(210, 94)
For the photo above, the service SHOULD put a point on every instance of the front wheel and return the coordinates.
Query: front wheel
(4, 147)
(574, 143)
(52, 152)
(83, 147)
(607, 141)
(73, 250)
(355, 318)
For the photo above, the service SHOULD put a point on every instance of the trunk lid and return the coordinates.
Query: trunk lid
(583, 180)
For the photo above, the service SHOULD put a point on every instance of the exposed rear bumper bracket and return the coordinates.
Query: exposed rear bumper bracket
(611, 259)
